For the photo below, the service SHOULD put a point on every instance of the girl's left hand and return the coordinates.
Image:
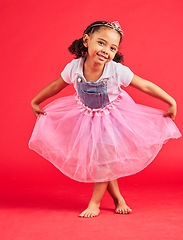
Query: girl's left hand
(171, 111)
(155, 91)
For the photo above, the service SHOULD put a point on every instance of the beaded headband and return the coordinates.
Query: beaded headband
(114, 25)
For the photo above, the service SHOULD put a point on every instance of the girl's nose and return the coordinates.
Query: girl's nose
(104, 50)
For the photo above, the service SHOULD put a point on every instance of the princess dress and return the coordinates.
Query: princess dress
(91, 139)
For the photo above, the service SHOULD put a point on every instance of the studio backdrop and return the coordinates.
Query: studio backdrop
(35, 36)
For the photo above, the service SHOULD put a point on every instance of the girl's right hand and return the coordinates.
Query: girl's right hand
(49, 91)
(37, 110)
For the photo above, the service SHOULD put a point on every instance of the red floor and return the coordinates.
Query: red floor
(41, 213)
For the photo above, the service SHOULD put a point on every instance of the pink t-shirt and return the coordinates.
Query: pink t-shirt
(116, 75)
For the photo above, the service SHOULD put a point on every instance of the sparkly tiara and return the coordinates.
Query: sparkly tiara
(114, 25)
(117, 26)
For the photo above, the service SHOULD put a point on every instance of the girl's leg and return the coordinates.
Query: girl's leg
(94, 204)
(119, 201)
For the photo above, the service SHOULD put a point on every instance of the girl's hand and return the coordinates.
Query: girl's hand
(171, 111)
(49, 91)
(155, 91)
(37, 110)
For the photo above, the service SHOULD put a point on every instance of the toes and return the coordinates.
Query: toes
(83, 214)
(128, 210)
(93, 215)
(123, 211)
(87, 214)
(119, 211)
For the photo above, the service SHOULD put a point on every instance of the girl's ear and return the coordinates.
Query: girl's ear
(85, 40)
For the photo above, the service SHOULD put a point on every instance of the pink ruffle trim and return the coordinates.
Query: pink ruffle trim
(98, 111)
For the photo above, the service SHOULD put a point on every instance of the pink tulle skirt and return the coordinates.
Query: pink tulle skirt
(98, 145)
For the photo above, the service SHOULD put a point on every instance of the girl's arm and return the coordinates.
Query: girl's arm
(155, 91)
(49, 91)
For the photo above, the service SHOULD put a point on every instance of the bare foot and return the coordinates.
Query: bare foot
(121, 207)
(91, 211)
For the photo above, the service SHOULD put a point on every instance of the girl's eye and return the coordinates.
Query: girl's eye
(101, 43)
(113, 49)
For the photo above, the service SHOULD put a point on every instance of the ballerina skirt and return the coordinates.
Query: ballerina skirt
(98, 145)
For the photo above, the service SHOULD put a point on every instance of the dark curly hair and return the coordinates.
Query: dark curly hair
(78, 49)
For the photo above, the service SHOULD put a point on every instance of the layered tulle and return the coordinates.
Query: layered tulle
(97, 145)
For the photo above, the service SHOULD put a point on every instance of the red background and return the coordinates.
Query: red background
(34, 40)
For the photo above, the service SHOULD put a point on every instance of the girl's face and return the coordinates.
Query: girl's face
(102, 45)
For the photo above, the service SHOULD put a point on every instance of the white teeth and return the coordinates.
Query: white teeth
(102, 57)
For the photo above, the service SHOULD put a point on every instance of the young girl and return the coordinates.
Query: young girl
(100, 134)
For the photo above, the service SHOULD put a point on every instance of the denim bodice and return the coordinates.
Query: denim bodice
(93, 94)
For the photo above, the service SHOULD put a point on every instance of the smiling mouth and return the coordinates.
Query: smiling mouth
(102, 57)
